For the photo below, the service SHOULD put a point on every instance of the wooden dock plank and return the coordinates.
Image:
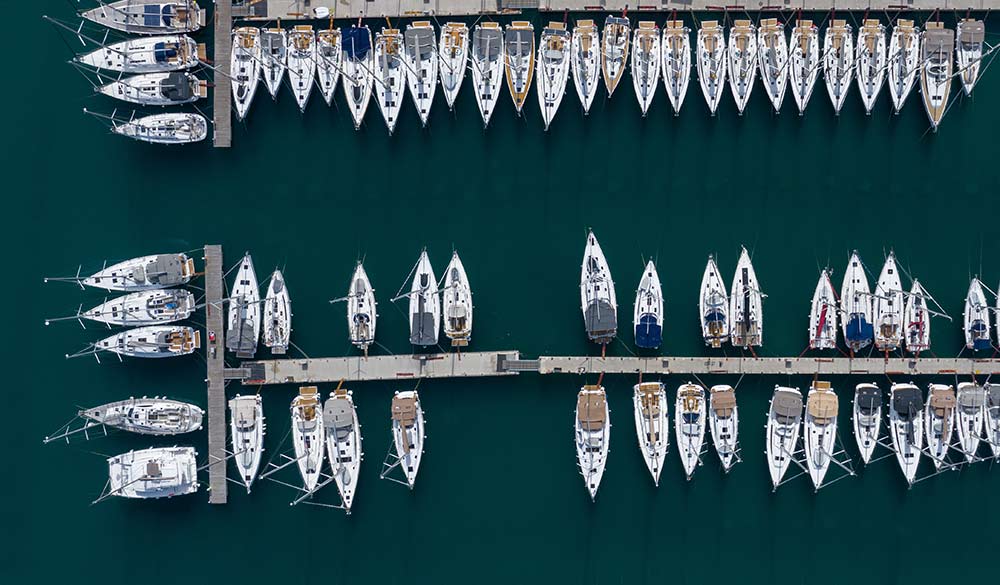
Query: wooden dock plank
(215, 360)
(221, 57)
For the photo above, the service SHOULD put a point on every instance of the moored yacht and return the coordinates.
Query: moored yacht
(157, 89)
(772, 47)
(390, 75)
(804, 62)
(645, 63)
(746, 327)
(358, 63)
(274, 62)
(408, 433)
(147, 416)
(148, 55)
(597, 294)
(277, 320)
(614, 50)
(329, 54)
(553, 69)
(713, 306)
(742, 62)
(144, 308)
(649, 402)
(917, 320)
(647, 316)
(969, 51)
(838, 62)
(487, 67)
(976, 318)
(783, 423)
(676, 61)
(712, 63)
(867, 419)
(724, 422)
(243, 318)
(906, 422)
(820, 430)
(143, 273)
(160, 472)
(870, 61)
(148, 17)
(939, 422)
(457, 303)
(246, 431)
(856, 306)
(420, 53)
(971, 413)
(425, 304)
(301, 56)
(903, 61)
(244, 68)
(361, 315)
(593, 435)
(823, 315)
(689, 425)
(454, 56)
(936, 46)
(519, 55)
(992, 435)
(343, 442)
(154, 341)
(307, 436)
(170, 128)
(888, 308)
(585, 59)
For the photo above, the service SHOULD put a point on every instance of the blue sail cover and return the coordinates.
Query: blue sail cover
(647, 333)
(980, 335)
(163, 52)
(859, 331)
(715, 315)
(357, 42)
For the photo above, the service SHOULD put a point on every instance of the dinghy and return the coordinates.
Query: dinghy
(939, 422)
(358, 64)
(906, 422)
(172, 128)
(867, 419)
(519, 51)
(161, 472)
(745, 309)
(689, 425)
(713, 306)
(838, 62)
(724, 422)
(149, 307)
(246, 431)
(646, 64)
(329, 54)
(157, 89)
(243, 318)
(142, 273)
(390, 74)
(904, 61)
(149, 55)
(301, 55)
(361, 315)
(614, 50)
(936, 47)
(820, 430)
(871, 62)
(772, 47)
(408, 433)
(783, 422)
(553, 70)
(970, 34)
(147, 416)
(742, 62)
(647, 316)
(154, 341)
(274, 61)
(343, 443)
(856, 306)
(917, 318)
(585, 61)
(805, 62)
(992, 435)
(676, 61)
(712, 63)
(593, 435)
(307, 436)
(823, 315)
(487, 67)
(971, 414)
(597, 294)
(148, 17)
(425, 304)
(457, 300)
(888, 307)
(277, 315)
(454, 56)
(244, 68)
(976, 318)
(421, 56)
(649, 405)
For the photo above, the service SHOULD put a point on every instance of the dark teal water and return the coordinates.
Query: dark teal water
(499, 498)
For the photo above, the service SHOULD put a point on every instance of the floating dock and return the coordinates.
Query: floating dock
(215, 363)
(222, 118)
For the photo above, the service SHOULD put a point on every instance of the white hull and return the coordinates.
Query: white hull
(156, 341)
(307, 437)
(586, 63)
(454, 55)
(742, 62)
(712, 63)
(277, 315)
(390, 75)
(148, 17)
(408, 433)
(993, 418)
(301, 55)
(359, 64)
(519, 55)
(676, 61)
(856, 305)
(867, 419)
(425, 304)
(889, 305)
(246, 431)
(553, 70)
(772, 47)
(598, 301)
(936, 70)
(329, 56)
(487, 67)
(244, 68)
(969, 52)
(783, 424)
(149, 55)
(747, 321)
(689, 425)
(614, 51)
(147, 416)
(421, 56)
(161, 472)
(157, 89)
(343, 443)
(647, 313)
(970, 418)
(593, 436)
(976, 318)
(361, 313)
(871, 62)
(649, 405)
(805, 63)
(144, 308)
(939, 422)
(713, 306)
(724, 423)
(917, 320)
(904, 62)
(823, 315)
(144, 273)
(645, 64)
(457, 303)
(906, 429)
(838, 62)
(171, 128)
(243, 319)
(820, 432)
(274, 61)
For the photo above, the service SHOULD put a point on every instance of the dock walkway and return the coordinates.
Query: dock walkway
(221, 57)
(215, 360)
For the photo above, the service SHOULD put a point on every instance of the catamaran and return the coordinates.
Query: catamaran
(361, 315)
(939, 422)
(149, 307)
(148, 17)
(647, 316)
(969, 51)
(147, 416)
(993, 418)
(712, 63)
(139, 274)
(867, 419)
(783, 423)
(976, 318)
(870, 61)
(149, 55)
(676, 61)
(274, 61)
(742, 62)
(889, 307)
(906, 421)
(454, 56)
(805, 62)
(171, 128)
(823, 315)
(936, 64)
(649, 405)
(154, 341)
(329, 54)
(971, 414)
(425, 304)
(689, 425)
(745, 309)
(593, 435)
(724, 422)
(408, 433)
(243, 319)
(585, 61)
(307, 436)
(457, 301)
(358, 75)
(519, 56)
(713, 306)
(917, 318)
(904, 61)
(244, 68)
(157, 89)
(390, 75)
(772, 47)
(487, 67)
(820, 430)
(246, 431)
(343, 442)
(856, 305)
(646, 64)
(553, 69)
(277, 315)
(160, 472)
(597, 294)
(420, 53)
(838, 62)
(614, 50)
(301, 55)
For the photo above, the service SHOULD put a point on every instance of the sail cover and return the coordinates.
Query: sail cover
(859, 329)
(601, 321)
(648, 333)
(357, 42)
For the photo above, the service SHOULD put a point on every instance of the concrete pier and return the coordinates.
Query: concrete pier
(215, 360)
(221, 57)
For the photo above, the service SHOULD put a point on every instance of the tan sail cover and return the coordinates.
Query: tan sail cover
(724, 402)
(404, 410)
(591, 406)
(942, 400)
(823, 405)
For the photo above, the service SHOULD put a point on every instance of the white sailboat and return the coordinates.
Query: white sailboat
(277, 315)
(871, 62)
(746, 307)
(647, 315)
(148, 17)
(408, 433)
(939, 422)
(676, 61)
(823, 315)
(553, 69)
(157, 89)
(689, 425)
(804, 63)
(713, 306)
(742, 62)
(724, 422)
(971, 416)
(243, 318)
(992, 435)
(154, 341)
(329, 54)
(585, 60)
(358, 74)
(142, 273)
(712, 63)
(390, 75)
(936, 68)
(156, 416)
(856, 305)
(646, 64)
(425, 304)
(457, 301)
(307, 436)
(614, 50)
(772, 47)
(838, 62)
(820, 430)
(146, 55)
(519, 58)
(904, 61)
(343, 443)
(917, 319)
(976, 318)
(867, 419)
(170, 128)
(161, 472)
(783, 423)
(593, 436)
(970, 34)
(889, 306)
(420, 53)
(149, 307)
(246, 431)
(487, 67)
(649, 405)
(906, 422)
(598, 301)
(301, 56)
(454, 55)
(274, 61)
(361, 314)
(244, 68)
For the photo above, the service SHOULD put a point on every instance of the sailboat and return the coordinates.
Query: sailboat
(992, 434)
(870, 61)
(169, 128)
(970, 413)
(820, 430)
(148, 17)
(361, 315)
(867, 419)
(773, 60)
(274, 62)
(454, 56)
(408, 433)
(585, 61)
(917, 318)
(689, 425)
(856, 305)
(646, 64)
(593, 435)
(519, 56)
(724, 422)
(153, 341)
(343, 443)
(889, 307)
(742, 62)
(939, 422)
(301, 55)
(597, 294)
(244, 68)
(712, 63)
(649, 405)
(358, 75)
(148, 55)
(976, 317)
(823, 315)
(747, 325)
(246, 431)
(713, 306)
(425, 304)
(553, 69)
(420, 53)
(936, 64)
(159, 472)
(838, 62)
(147, 416)
(783, 423)
(904, 61)
(243, 318)
(969, 51)
(277, 315)
(487, 67)
(157, 89)
(389, 74)
(805, 62)
(142, 273)
(150, 307)
(329, 53)
(457, 300)
(614, 50)
(647, 316)
(307, 436)
(906, 421)
(676, 61)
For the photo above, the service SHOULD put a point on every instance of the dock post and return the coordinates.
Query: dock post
(222, 55)
(215, 359)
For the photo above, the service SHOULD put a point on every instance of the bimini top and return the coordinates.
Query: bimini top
(993, 394)
(907, 401)
(868, 399)
(973, 32)
(859, 329)
(823, 406)
(519, 41)
(357, 42)
(404, 410)
(937, 44)
(590, 408)
(337, 415)
(942, 400)
(176, 87)
(600, 319)
(787, 406)
(486, 43)
(647, 332)
(419, 41)
(724, 402)
(974, 397)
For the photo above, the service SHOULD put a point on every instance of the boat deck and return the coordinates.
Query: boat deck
(215, 363)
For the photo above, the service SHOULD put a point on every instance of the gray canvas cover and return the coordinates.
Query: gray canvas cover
(601, 320)
(176, 87)
(419, 42)
(337, 416)
(973, 32)
(165, 270)
(868, 400)
(787, 406)
(519, 42)
(486, 44)
(907, 402)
